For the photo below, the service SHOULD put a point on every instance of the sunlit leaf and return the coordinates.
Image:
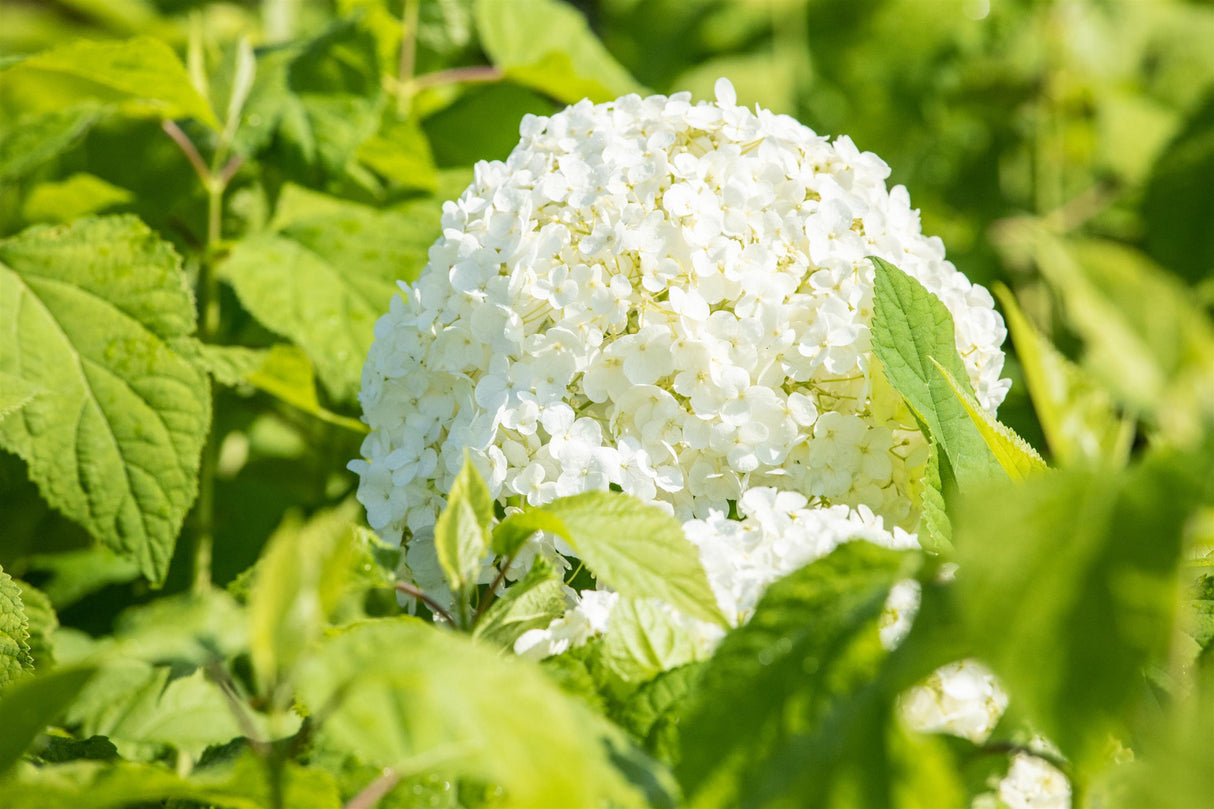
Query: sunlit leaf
(532, 603)
(29, 142)
(1018, 459)
(547, 45)
(911, 330)
(15, 658)
(403, 694)
(77, 196)
(96, 309)
(144, 70)
(637, 549)
(644, 639)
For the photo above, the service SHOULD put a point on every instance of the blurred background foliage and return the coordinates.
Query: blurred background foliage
(1055, 145)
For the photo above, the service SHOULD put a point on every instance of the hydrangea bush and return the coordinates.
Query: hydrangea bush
(673, 300)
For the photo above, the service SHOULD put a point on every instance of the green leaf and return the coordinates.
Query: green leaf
(461, 534)
(95, 310)
(935, 530)
(1145, 336)
(792, 710)
(1199, 613)
(652, 712)
(188, 714)
(911, 328)
(548, 46)
(1080, 568)
(42, 624)
(75, 574)
(1177, 222)
(143, 69)
(15, 659)
(314, 104)
(324, 274)
(283, 371)
(1018, 459)
(637, 549)
(643, 640)
(187, 629)
(31, 705)
(77, 196)
(301, 576)
(32, 140)
(1076, 415)
(15, 393)
(400, 153)
(532, 603)
(404, 694)
(104, 785)
(510, 534)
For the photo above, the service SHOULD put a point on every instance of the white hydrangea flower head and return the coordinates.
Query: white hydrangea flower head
(670, 297)
(1034, 783)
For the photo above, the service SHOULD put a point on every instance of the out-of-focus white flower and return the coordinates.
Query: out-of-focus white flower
(1033, 783)
(670, 297)
(961, 698)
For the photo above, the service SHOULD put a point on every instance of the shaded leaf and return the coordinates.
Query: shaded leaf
(30, 141)
(114, 444)
(29, 706)
(1060, 565)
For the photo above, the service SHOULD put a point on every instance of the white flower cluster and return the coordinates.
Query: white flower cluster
(670, 297)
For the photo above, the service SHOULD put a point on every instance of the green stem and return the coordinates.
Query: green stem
(408, 56)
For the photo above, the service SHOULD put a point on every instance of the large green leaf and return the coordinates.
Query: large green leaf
(911, 331)
(325, 272)
(547, 45)
(143, 69)
(1069, 588)
(96, 309)
(791, 709)
(15, 657)
(637, 549)
(400, 693)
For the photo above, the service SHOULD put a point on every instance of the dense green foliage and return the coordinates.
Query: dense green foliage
(205, 206)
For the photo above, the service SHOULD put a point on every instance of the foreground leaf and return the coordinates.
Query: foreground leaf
(98, 785)
(1080, 568)
(791, 709)
(96, 308)
(30, 706)
(911, 331)
(461, 534)
(400, 693)
(637, 549)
